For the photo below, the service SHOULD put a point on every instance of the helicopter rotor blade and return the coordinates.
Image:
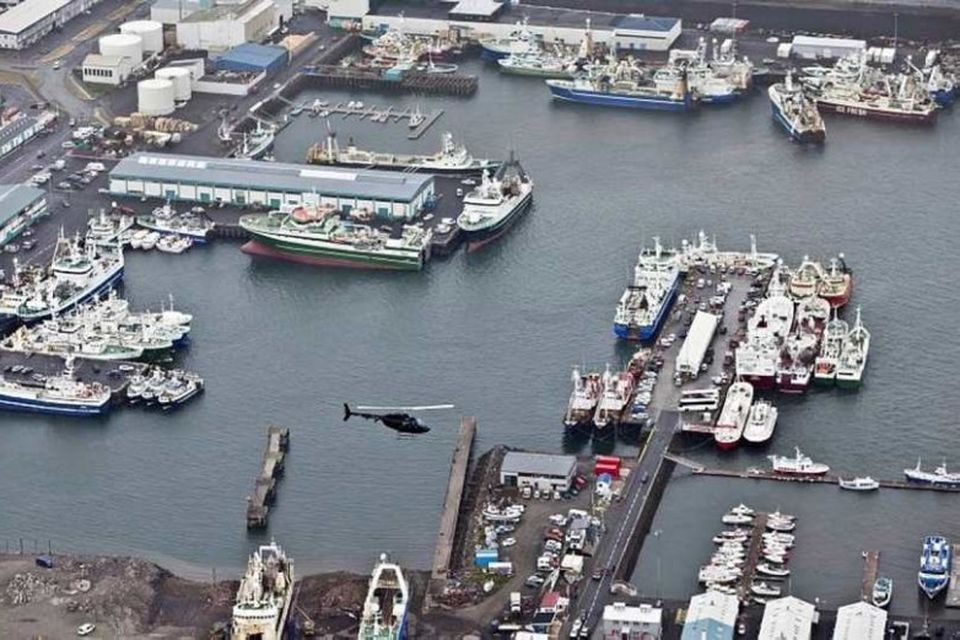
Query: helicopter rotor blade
(428, 407)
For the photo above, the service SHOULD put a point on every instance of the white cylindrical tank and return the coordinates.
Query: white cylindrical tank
(181, 78)
(124, 45)
(155, 97)
(150, 32)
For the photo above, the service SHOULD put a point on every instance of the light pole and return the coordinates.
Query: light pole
(656, 535)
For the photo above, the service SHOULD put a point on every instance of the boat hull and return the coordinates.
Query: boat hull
(535, 72)
(648, 333)
(476, 239)
(105, 285)
(325, 258)
(804, 136)
(29, 405)
(765, 382)
(825, 381)
(787, 383)
(925, 118)
(646, 103)
(849, 383)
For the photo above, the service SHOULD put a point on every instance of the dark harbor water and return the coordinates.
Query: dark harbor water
(496, 332)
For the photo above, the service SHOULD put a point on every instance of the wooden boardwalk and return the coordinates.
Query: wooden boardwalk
(451, 503)
(753, 557)
(265, 485)
(871, 562)
(953, 590)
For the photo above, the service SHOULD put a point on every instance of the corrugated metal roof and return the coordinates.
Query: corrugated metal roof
(476, 8)
(711, 615)
(827, 43)
(640, 22)
(251, 53)
(97, 60)
(16, 127)
(276, 176)
(537, 463)
(643, 614)
(14, 198)
(29, 12)
(860, 621)
(787, 618)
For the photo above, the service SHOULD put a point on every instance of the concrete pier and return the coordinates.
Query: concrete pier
(451, 503)
(265, 486)
(953, 590)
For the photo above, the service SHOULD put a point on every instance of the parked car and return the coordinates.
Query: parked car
(534, 581)
(558, 519)
(508, 542)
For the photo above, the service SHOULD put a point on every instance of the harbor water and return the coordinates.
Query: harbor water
(495, 333)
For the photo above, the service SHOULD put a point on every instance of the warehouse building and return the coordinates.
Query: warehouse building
(20, 129)
(816, 48)
(860, 621)
(342, 13)
(646, 33)
(26, 23)
(270, 184)
(787, 619)
(541, 471)
(175, 11)
(20, 206)
(253, 58)
(228, 25)
(622, 622)
(711, 615)
(695, 345)
(476, 10)
(111, 70)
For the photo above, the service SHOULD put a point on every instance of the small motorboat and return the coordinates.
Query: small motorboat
(865, 483)
(772, 571)
(882, 592)
(736, 518)
(743, 510)
(764, 589)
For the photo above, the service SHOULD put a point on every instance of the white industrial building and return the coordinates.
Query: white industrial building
(341, 13)
(646, 33)
(541, 471)
(224, 26)
(19, 129)
(174, 11)
(860, 621)
(696, 343)
(270, 184)
(711, 615)
(101, 69)
(26, 23)
(622, 622)
(787, 618)
(815, 47)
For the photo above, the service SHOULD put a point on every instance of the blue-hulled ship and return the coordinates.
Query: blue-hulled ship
(623, 84)
(59, 395)
(934, 572)
(646, 302)
(796, 113)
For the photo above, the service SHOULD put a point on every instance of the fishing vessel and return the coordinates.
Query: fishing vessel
(859, 484)
(538, 64)
(587, 388)
(812, 315)
(805, 281)
(416, 118)
(385, 607)
(620, 89)
(934, 574)
(798, 465)
(60, 394)
(853, 357)
(831, 346)
(897, 104)
(317, 235)
(645, 303)
(452, 158)
(795, 112)
(882, 592)
(939, 476)
(774, 314)
(165, 220)
(255, 144)
(795, 367)
(521, 40)
(761, 423)
(617, 389)
(77, 272)
(263, 599)
(733, 416)
(107, 230)
(836, 285)
(756, 360)
(495, 205)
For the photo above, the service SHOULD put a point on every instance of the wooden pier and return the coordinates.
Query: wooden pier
(451, 503)
(265, 486)
(953, 590)
(753, 557)
(335, 76)
(871, 562)
(422, 129)
(757, 474)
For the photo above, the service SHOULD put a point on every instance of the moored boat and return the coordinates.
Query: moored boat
(798, 465)
(264, 596)
(385, 608)
(935, 560)
(831, 346)
(882, 592)
(617, 389)
(60, 394)
(836, 286)
(859, 484)
(587, 389)
(761, 423)
(495, 205)
(939, 476)
(795, 112)
(645, 304)
(853, 357)
(733, 416)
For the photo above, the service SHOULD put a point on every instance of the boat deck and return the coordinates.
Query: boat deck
(102, 371)
(265, 485)
(953, 590)
(871, 562)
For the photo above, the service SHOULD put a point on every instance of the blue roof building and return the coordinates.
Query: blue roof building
(711, 616)
(251, 57)
(641, 32)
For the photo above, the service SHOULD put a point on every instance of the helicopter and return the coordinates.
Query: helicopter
(399, 422)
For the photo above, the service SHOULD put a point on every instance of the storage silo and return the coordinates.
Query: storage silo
(124, 45)
(155, 97)
(181, 79)
(150, 32)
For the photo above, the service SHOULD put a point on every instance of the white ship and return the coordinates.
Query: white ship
(583, 399)
(495, 205)
(106, 230)
(761, 423)
(853, 358)
(617, 389)
(756, 360)
(263, 599)
(812, 314)
(799, 465)
(825, 366)
(774, 315)
(806, 279)
(385, 608)
(166, 220)
(795, 367)
(733, 416)
(645, 303)
(939, 476)
(59, 395)
(452, 158)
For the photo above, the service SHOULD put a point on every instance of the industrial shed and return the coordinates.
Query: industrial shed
(638, 32)
(477, 10)
(253, 58)
(815, 48)
(545, 472)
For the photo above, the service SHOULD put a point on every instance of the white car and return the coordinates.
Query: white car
(508, 542)
(86, 629)
(575, 629)
(559, 519)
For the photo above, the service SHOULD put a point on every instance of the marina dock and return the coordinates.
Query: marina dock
(753, 556)
(871, 562)
(265, 486)
(450, 515)
(335, 76)
(953, 590)
(757, 474)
